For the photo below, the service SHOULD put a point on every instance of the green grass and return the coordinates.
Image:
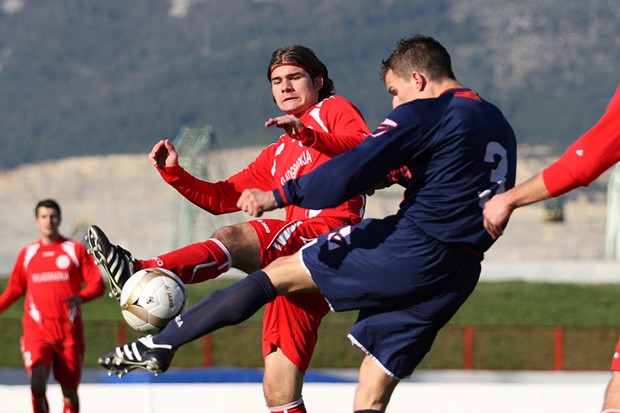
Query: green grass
(513, 328)
(541, 304)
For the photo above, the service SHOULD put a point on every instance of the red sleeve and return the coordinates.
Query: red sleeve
(93, 283)
(589, 156)
(258, 173)
(221, 197)
(16, 286)
(216, 198)
(340, 115)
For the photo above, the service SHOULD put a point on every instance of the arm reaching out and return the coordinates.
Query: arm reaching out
(164, 154)
(499, 208)
(289, 123)
(255, 202)
(583, 161)
(338, 126)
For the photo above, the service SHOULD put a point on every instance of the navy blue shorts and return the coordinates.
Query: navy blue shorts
(406, 285)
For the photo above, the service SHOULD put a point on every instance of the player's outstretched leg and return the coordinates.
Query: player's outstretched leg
(139, 354)
(228, 306)
(117, 262)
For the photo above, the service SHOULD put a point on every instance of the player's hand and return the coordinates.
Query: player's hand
(255, 202)
(291, 124)
(495, 215)
(164, 154)
(75, 301)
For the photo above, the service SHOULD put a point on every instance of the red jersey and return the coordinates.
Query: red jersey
(48, 275)
(589, 156)
(331, 126)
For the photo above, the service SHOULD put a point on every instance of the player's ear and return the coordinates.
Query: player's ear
(318, 82)
(419, 80)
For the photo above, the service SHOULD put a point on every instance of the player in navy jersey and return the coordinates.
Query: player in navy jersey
(408, 273)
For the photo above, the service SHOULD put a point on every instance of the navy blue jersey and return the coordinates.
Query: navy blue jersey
(459, 149)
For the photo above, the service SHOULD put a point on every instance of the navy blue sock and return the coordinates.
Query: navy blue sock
(221, 308)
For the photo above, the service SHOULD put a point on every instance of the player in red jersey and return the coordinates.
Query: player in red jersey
(56, 275)
(582, 162)
(407, 273)
(317, 125)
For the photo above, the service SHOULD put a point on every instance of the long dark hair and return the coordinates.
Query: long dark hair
(304, 57)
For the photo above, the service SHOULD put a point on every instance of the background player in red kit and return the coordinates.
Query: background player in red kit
(57, 275)
(317, 125)
(582, 162)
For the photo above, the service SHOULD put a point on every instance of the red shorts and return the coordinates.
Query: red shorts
(56, 344)
(291, 323)
(615, 362)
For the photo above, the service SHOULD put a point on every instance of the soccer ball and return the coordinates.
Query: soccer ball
(151, 298)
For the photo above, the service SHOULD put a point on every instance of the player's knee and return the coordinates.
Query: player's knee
(278, 370)
(375, 387)
(232, 234)
(278, 395)
(38, 378)
(241, 242)
(224, 234)
(38, 385)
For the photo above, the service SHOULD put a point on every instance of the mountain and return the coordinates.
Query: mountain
(99, 77)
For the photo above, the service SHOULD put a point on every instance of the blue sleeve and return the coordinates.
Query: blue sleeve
(353, 171)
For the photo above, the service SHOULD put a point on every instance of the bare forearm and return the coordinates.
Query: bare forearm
(531, 191)
(498, 209)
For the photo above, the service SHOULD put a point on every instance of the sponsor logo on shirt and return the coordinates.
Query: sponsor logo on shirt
(50, 276)
(63, 262)
(304, 159)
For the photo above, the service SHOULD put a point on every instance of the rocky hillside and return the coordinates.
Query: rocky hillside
(84, 78)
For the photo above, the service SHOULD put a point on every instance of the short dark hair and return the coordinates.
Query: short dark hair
(47, 203)
(419, 53)
(307, 59)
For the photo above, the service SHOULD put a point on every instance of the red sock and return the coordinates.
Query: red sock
(39, 403)
(194, 263)
(71, 408)
(295, 407)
